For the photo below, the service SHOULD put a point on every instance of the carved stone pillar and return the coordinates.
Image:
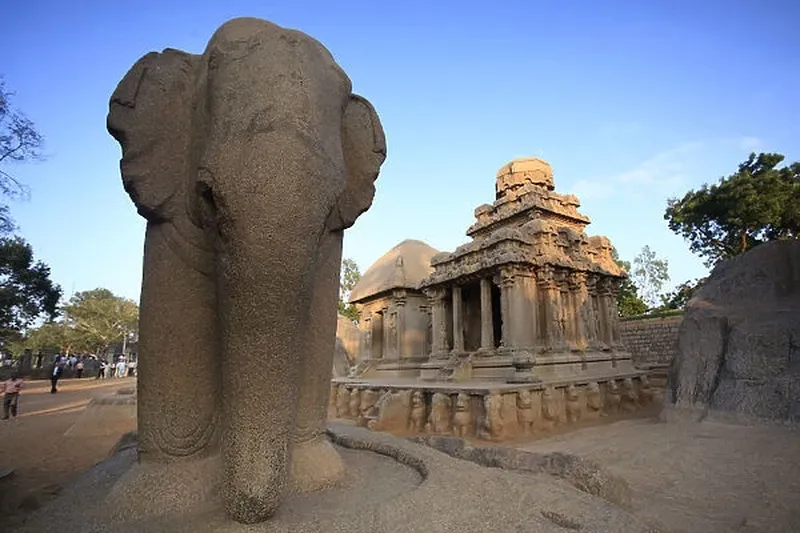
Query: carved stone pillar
(606, 311)
(487, 328)
(590, 313)
(386, 333)
(505, 280)
(579, 296)
(438, 322)
(365, 325)
(458, 320)
(551, 301)
(613, 290)
(400, 302)
(564, 309)
(376, 336)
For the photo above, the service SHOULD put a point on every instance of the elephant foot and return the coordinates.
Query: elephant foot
(157, 489)
(315, 465)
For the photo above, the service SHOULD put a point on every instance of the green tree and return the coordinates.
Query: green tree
(19, 141)
(99, 318)
(649, 274)
(680, 295)
(349, 277)
(53, 336)
(629, 303)
(758, 203)
(26, 290)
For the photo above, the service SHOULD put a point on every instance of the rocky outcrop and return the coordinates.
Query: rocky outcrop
(346, 351)
(739, 343)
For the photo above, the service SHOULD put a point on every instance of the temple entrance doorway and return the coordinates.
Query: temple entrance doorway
(497, 316)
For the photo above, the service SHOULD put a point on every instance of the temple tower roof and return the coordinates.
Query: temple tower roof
(402, 267)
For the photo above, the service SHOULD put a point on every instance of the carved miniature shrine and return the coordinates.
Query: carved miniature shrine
(515, 331)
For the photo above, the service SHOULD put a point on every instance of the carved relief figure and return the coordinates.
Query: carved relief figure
(594, 400)
(462, 418)
(550, 407)
(368, 399)
(525, 414)
(613, 398)
(573, 406)
(394, 408)
(645, 391)
(355, 403)
(343, 402)
(492, 427)
(439, 419)
(630, 399)
(418, 412)
(219, 150)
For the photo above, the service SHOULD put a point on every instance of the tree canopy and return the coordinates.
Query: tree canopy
(97, 318)
(629, 303)
(649, 274)
(680, 295)
(26, 290)
(760, 202)
(19, 141)
(349, 277)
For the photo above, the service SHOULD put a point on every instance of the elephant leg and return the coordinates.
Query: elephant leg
(315, 462)
(178, 383)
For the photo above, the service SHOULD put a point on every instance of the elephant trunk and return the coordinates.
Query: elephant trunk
(266, 263)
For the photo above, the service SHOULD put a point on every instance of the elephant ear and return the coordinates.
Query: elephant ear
(150, 116)
(364, 148)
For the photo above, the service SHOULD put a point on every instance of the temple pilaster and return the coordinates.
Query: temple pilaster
(400, 302)
(579, 296)
(588, 311)
(458, 320)
(487, 328)
(613, 291)
(550, 302)
(386, 333)
(604, 294)
(438, 322)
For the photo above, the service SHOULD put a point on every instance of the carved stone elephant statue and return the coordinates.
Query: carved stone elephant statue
(248, 162)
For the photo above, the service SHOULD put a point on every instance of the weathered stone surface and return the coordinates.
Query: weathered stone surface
(583, 474)
(248, 163)
(739, 343)
(393, 485)
(348, 341)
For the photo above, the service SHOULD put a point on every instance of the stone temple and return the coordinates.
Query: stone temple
(514, 331)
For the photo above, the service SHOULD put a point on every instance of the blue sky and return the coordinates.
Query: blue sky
(630, 102)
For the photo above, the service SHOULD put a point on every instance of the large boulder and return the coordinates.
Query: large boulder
(348, 338)
(739, 343)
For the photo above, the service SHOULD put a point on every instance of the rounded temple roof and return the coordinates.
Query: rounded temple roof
(529, 170)
(402, 267)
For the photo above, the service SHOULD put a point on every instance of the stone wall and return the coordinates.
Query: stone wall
(651, 341)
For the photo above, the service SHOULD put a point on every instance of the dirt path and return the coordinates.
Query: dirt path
(35, 446)
(698, 478)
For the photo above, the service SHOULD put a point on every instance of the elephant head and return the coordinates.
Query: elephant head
(259, 152)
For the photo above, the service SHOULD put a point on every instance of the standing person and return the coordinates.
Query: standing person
(11, 388)
(79, 368)
(101, 369)
(58, 369)
(121, 368)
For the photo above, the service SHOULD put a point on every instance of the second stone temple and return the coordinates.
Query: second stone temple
(528, 304)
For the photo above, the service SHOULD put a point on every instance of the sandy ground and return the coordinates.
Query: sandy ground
(686, 478)
(35, 446)
(698, 478)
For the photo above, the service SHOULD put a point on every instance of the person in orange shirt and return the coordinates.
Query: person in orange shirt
(11, 388)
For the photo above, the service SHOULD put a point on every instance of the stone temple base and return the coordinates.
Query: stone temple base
(492, 411)
(392, 485)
